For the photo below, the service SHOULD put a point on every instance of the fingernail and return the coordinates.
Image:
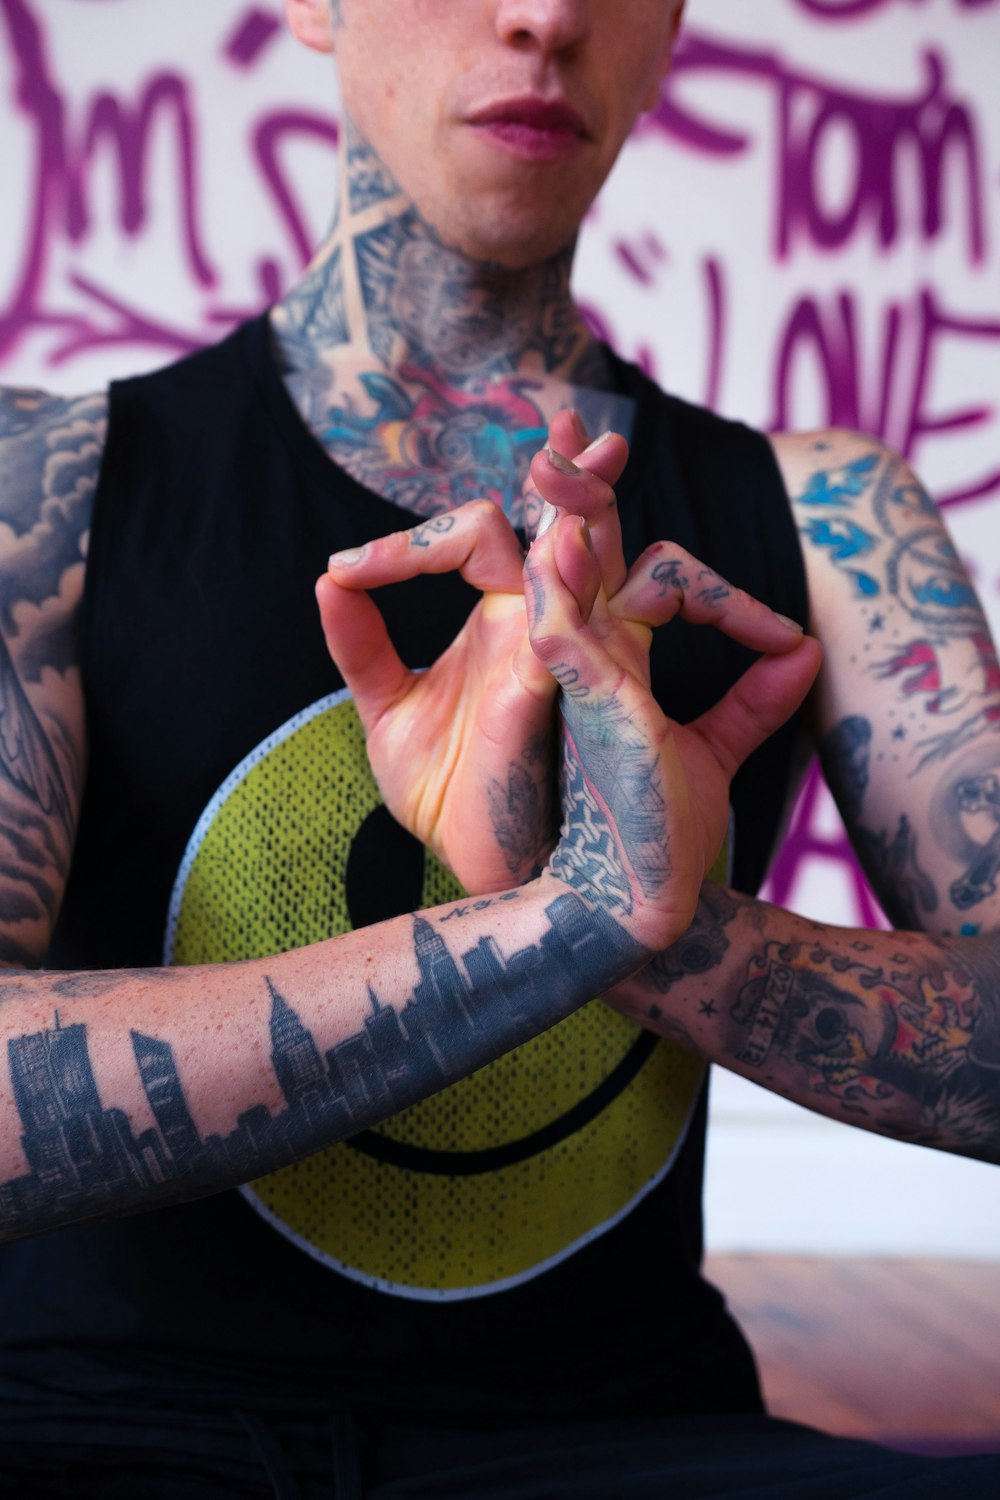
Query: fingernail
(562, 464)
(545, 520)
(579, 426)
(598, 441)
(585, 529)
(344, 559)
(792, 624)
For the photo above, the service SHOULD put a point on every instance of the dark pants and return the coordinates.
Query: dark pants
(180, 1456)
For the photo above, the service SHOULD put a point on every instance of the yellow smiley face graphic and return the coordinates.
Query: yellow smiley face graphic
(498, 1176)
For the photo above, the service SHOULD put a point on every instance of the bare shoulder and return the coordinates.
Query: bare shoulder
(50, 456)
(836, 466)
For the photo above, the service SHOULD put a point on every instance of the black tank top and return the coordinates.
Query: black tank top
(529, 1242)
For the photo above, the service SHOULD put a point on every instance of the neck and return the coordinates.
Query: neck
(402, 352)
(386, 289)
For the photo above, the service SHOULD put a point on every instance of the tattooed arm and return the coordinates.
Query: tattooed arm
(120, 1091)
(907, 710)
(897, 1033)
(50, 451)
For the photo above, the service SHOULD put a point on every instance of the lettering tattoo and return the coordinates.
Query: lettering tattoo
(86, 1157)
(483, 904)
(673, 576)
(420, 536)
(570, 681)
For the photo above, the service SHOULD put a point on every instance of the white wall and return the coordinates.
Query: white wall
(101, 274)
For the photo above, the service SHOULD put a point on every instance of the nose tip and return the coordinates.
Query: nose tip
(550, 25)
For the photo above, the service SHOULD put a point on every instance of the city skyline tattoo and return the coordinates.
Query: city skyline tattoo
(85, 1158)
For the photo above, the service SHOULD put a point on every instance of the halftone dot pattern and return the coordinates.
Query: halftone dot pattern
(264, 872)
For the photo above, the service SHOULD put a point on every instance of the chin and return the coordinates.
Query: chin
(513, 241)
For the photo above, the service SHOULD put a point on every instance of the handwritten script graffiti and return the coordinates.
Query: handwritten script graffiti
(72, 142)
(105, 173)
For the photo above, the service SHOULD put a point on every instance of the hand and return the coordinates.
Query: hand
(645, 800)
(464, 752)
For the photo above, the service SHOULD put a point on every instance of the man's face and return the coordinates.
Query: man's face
(499, 118)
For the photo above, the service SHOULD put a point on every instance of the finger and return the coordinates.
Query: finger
(584, 488)
(475, 540)
(667, 581)
(359, 643)
(762, 700)
(562, 578)
(567, 435)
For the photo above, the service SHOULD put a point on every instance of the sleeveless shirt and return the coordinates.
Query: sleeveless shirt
(529, 1242)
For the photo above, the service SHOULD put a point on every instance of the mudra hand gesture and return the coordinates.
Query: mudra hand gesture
(464, 752)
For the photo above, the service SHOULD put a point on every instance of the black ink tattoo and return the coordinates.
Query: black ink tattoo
(701, 949)
(458, 912)
(918, 1049)
(516, 813)
(85, 1158)
(979, 794)
(50, 451)
(570, 681)
(601, 839)
(451, 408)
(904, 887)
(845, 751)
(369, 180)
(671, 577)
(436, 526)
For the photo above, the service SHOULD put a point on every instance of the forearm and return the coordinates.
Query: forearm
(124, 1090)
(895, 1032)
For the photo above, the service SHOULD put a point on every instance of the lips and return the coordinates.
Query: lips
(532, 127)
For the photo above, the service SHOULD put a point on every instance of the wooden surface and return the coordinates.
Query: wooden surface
(900, 1351)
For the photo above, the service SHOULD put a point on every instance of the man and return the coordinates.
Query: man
(446, 1296)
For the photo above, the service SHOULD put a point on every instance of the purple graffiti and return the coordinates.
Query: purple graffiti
(268, 137)
(253, 33)
(851, 10)
(641, 259)
(70, 145)
(804, 841)
(931, 138)
(864, 393)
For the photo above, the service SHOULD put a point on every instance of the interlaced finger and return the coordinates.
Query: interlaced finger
(667, 580)
(584, 487)
(475, 540)
(561, 578)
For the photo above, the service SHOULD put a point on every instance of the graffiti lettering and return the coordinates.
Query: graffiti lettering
(72, 141)
(864, 393)
(851, 10)
(932, 133)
